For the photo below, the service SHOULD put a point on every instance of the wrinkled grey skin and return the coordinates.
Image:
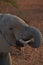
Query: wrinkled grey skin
(20, 30)
(8, 21)
(13, 28)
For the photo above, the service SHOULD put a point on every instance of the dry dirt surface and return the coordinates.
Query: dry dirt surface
(32, 12)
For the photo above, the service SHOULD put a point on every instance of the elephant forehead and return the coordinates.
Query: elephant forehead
(4, 47)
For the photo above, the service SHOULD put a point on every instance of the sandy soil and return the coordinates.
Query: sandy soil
(32, 12)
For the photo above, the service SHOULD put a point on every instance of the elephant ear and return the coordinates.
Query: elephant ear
(4, 46)
(37, 37)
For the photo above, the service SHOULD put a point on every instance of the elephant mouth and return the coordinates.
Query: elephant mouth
(27, 40)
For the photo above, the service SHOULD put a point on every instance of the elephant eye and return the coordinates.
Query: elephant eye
(11, 28)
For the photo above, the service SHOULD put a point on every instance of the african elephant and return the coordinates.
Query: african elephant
(14, 31)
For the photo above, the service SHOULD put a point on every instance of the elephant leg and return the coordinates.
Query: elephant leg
(6, 59)
(0, 59)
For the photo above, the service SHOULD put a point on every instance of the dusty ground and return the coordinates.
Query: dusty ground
(32, 12)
